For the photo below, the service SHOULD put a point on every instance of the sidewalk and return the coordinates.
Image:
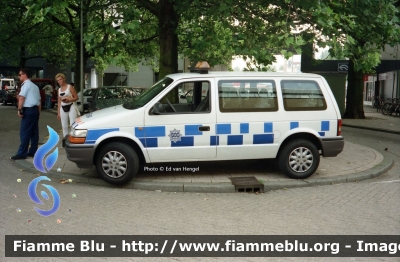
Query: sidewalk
(375, 121)
(355, 163)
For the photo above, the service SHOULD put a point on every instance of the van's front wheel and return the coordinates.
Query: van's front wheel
(117, 163)
(299, 159)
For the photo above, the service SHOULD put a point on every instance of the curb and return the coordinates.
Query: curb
(221, 187)
(373, 129)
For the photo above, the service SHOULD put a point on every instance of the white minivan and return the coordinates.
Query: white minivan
(291, 117)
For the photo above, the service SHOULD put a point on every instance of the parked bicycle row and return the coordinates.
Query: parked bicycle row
(390, 106)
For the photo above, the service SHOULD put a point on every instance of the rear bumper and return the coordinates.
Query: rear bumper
(332, 146)
(81, 155)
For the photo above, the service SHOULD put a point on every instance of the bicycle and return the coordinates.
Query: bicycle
(390, 106)
(396, 109)
(376, 101)
(384, 106)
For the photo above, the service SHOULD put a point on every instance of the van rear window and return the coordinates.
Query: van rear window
(302, 95)
(247, 96)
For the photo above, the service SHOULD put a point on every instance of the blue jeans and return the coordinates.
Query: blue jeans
(29, 131)
(48, 102)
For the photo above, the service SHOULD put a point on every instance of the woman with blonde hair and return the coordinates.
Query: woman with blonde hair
(66, 98)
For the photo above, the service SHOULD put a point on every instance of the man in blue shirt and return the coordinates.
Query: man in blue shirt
(29, 107)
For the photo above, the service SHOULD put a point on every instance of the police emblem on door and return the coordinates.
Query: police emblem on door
(175, 135)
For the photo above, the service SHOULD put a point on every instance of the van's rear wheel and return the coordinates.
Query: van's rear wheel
(299, 159)
(117, 163)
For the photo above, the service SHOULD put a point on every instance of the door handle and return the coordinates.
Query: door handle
(204, 128)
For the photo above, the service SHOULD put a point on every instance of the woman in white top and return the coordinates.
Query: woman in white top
(66, 98)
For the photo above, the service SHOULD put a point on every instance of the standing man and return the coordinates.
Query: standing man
(48, 89)
(29, 107)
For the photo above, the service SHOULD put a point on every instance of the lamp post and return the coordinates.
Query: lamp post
(82, 83)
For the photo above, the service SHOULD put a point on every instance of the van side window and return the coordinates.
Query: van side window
(187, 97)
(302, 95)
(247, 96)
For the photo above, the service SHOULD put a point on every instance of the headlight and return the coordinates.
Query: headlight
(79, 133)
(77, 136)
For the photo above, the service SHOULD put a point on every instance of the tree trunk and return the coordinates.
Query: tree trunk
(354, 97)
(168, 24)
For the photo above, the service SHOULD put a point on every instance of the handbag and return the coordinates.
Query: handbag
(66, 108)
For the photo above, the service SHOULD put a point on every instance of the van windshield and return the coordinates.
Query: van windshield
(148, 94)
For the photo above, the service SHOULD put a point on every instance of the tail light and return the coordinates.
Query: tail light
(339, 127)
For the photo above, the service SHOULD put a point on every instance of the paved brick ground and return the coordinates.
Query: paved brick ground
(375, 120)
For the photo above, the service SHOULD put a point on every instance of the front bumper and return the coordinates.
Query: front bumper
(332, 146)
(81, 154)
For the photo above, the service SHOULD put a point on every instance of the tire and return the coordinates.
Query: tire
(4, 102)
(385, 108)
(290, 158)
(391, 109)
(122, 168)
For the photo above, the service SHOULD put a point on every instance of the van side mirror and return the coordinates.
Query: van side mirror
(90, 99)
(158, 108)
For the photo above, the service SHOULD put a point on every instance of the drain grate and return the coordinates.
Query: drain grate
(247, 184)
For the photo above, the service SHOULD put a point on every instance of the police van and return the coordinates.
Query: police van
(250, 115)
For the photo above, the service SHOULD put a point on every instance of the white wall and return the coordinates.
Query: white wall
(93, 79)
(387, 85)
(391, 53)
(144, 77)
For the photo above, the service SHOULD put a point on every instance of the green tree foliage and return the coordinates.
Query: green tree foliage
(114, 32)
(23, 39)
(359, 31)
(124, 32)
(255, 30)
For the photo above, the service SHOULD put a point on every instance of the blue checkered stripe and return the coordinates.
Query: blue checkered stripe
(226, 134)
(324, 126)
(243, 133)
(94, 134)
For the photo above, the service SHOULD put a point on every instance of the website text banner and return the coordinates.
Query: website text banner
(201, 246)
